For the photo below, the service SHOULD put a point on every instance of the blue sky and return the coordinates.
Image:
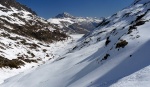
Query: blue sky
(85, 8)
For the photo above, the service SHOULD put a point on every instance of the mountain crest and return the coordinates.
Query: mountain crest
(17, 5)
(141, 1)
(64, 15)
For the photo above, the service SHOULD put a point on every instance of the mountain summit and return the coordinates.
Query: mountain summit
(64, 15)
(71, 24)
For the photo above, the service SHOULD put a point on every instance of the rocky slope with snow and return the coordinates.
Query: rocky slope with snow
(115, 54)
(25, 38)
(21, 20)
(71, 24)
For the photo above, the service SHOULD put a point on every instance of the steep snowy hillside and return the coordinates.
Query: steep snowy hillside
(115, 54)
(25, 38)
(71, 24)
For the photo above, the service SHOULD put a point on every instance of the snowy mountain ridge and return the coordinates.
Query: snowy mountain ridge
(71, 24)
(115, 54)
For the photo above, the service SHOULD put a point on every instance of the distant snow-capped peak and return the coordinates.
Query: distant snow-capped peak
(72, 24)
(64, 15)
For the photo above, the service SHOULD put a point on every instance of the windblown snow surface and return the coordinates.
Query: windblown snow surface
(116, 54)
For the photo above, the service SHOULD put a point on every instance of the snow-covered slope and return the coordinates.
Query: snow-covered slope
(25, 38)
(115, 54)
(140, 78)
(71, 24)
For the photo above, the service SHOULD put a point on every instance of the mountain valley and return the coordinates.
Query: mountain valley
(68, 51)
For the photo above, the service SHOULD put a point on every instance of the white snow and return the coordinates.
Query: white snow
(13, 46)
(82, 68)
(2, 6)
(7, 73)
(140, 78)
(57, 21)
(54, 50)
(83, 62)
